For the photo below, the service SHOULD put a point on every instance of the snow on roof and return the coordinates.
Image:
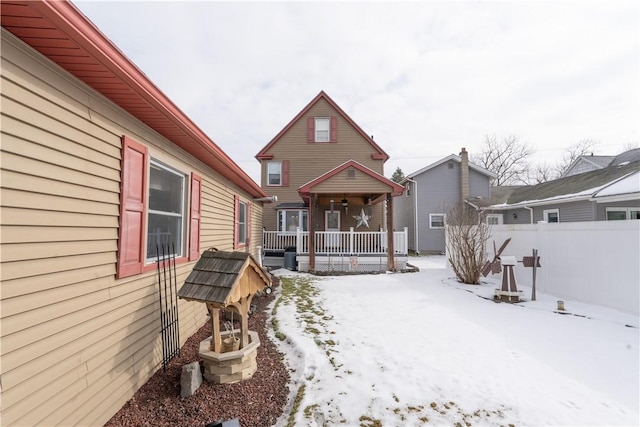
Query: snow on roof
(626, 185)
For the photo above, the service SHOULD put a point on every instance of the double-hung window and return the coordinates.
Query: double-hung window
(322, 129)
(274, 173)
(436, 220)
(242, 228)
(165, 220)
(278, 173)
(153, 211)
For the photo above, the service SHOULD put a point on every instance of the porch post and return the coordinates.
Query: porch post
(312, 245)
(390, 249)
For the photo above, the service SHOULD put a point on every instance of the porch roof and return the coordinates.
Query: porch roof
(390, 187)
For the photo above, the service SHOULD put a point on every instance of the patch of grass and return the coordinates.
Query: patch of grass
(296, 406)
(308, 411)
(366, 421)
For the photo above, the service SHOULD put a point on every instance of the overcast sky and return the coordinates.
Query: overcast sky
(424, 78)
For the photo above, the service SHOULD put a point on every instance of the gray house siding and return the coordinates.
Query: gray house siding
(601, 208)
(438, 190)
(582, 210)
(516, 216)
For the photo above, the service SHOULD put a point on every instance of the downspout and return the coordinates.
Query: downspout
(415, 213)
(530, 213)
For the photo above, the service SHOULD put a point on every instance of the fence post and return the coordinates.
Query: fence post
(298, 241)
(405, 244)
(350, 240)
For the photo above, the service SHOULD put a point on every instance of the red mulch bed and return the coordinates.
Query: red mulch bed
(256, 402)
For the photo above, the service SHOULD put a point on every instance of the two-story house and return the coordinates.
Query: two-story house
(432, 191)
(334, 203)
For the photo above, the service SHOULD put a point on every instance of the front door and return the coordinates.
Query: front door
(332, 228)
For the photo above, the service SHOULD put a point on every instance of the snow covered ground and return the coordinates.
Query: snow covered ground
(421, 349)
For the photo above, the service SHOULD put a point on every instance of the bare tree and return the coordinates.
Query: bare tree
(507, 158)
(580, 148)
(466, 235)
(544, 172)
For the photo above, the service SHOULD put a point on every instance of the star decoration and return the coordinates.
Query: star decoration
(363, 219)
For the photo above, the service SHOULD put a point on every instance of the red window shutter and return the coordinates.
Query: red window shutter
(194, 226)
(333, 126)
(285, 173)
(311, 129)
(236, 220)
(133, 206)
(248, 223)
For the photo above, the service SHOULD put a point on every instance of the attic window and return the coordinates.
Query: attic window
(322, 129)
(351, 173)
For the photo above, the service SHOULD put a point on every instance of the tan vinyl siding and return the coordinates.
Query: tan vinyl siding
(77, 343)
(307, 160)
(360, 183)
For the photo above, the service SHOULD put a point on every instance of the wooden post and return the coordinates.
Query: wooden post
(390, 249)
(533, 284)
(216, 340)
(312, 250)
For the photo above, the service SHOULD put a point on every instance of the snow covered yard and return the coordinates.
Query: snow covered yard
(421, 349)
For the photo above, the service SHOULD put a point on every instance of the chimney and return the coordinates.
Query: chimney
(464, 175)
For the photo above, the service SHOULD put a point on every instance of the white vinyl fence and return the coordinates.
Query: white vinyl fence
(592, 262)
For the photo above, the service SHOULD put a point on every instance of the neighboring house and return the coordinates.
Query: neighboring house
(609, 193)
(98, 166)
(432, 191)
(327, 175)
(587, 163)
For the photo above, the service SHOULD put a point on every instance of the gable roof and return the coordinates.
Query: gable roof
(379, 154)
(60, 32)
(306, 189)
(571, 188)
(216, 274)
(454, 158)
(599, 162)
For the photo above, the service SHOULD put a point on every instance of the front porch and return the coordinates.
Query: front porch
(337, 251)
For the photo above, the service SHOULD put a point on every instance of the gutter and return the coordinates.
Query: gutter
(530, 213)
(415, 212)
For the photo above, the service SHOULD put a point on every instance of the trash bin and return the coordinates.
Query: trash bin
(290, 262)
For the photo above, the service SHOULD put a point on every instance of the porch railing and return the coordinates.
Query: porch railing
(338, 242)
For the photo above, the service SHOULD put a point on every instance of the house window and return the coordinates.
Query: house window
(495, 219)
(165, 216)
(614, 214)
(242, 227)
(274, 173)
(351, 173)
(242, 223)
(436, 220)
(322, 129)
(551, 215)
(153, 211)
(290, 220)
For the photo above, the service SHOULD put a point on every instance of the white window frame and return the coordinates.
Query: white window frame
(180, 243)
(499, 217)
(627, 212)
(547, 212)
(279, 165)
(318, 130)
(243, 229)
(432, 216)
(303, 220)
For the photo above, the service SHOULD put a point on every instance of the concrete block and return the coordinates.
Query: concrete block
(190, 379)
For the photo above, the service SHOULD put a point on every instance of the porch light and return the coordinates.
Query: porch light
(345, 203)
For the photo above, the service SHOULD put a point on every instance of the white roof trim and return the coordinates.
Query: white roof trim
(456, 159)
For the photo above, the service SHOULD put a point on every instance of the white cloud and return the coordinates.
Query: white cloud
(425, 78)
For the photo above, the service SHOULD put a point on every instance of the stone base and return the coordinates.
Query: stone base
(232, 366)
(508, 296)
